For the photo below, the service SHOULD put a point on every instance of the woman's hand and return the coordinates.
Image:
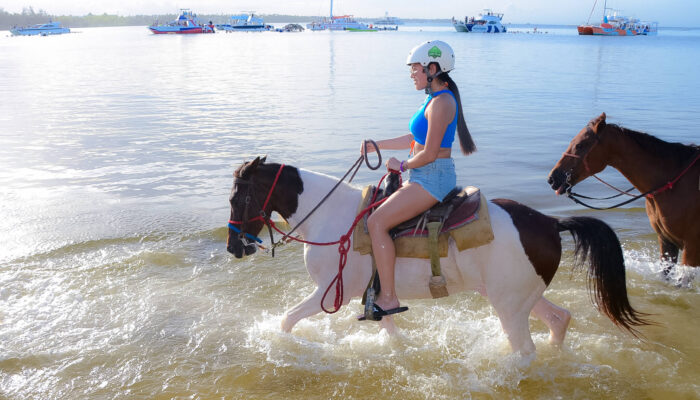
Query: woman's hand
(393, 164)
(369, 146)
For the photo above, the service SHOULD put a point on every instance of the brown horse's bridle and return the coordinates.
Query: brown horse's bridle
(649, 194)
(585, 165)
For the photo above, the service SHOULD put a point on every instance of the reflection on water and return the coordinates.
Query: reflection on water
(115, 167)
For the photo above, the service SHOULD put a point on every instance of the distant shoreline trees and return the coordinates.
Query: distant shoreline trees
(29, 16)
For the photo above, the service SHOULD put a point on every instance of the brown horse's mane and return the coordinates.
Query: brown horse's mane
(661, 147)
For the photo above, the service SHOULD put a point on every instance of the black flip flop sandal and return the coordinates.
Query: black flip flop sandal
(378, 313)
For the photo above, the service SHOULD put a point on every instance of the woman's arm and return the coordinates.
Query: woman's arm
(440, 112)
(397, 143)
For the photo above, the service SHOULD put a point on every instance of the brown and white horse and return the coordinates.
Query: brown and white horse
(512, 271)
(668, 173)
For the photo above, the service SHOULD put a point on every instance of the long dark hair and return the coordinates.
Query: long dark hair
(465, 138)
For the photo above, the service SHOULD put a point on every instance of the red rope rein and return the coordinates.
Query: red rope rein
(670, 184)
(343, 249)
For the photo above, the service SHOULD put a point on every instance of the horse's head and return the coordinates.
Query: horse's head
(584, 157)
(258, 190)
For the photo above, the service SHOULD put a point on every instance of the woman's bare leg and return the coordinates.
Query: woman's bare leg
(409, 201)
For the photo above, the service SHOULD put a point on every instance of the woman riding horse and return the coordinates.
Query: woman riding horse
(431, 170)
(512, 271)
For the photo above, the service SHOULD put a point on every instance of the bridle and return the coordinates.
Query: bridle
(344, 242)
(648, 194)
(249, 238)
(262, 215)
(583, 159)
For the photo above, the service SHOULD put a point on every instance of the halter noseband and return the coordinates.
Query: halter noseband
(262, 215)
(582, 158)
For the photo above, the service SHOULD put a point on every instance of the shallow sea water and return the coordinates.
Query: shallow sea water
(116, 154)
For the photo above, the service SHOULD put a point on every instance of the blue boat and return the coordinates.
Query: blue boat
(186, 23)
(51, 28)
(244, 22)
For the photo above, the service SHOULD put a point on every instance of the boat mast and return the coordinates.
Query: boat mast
(605, 7)
(592, 9)
(331, 9)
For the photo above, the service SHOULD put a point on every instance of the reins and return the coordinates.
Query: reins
(343, 250)
(343, 242)
(354, 168)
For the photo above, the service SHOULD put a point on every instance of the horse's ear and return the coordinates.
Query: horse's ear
(249, 168)
(599, 123)
(262, 160)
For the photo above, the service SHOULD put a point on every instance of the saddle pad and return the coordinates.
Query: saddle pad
(473, 231)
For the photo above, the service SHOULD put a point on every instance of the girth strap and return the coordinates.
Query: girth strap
(437, 284)
(433, 231)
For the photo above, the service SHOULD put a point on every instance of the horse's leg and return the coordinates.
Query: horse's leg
(525, 256)
(691, 255)
(517, 327)
(309, 306)
(669, 252)
(556, 318)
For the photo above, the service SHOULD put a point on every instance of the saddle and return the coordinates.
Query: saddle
(462, 215)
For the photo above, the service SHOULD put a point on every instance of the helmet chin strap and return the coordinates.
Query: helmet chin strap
(429, 88)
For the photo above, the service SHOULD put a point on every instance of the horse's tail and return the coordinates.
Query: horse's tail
(596, 242)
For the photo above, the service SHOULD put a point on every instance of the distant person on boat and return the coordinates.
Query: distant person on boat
(430, 167)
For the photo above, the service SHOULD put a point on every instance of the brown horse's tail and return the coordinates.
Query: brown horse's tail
(596, 242)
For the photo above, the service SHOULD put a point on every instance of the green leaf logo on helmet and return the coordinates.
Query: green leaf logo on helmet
(434, 52)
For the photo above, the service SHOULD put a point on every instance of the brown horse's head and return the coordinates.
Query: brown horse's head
(583, 158)
(258, 190)
(246, 203)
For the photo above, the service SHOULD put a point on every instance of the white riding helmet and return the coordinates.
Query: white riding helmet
(433, 51)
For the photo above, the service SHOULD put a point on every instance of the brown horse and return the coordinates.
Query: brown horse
(667, 174)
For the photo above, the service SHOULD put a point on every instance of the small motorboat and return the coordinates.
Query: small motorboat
(245, 22)
(51, 28)
(336, 23)
(387, 20)
(186, 23)
(487, 22)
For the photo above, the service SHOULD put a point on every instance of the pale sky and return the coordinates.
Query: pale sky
(667, 12)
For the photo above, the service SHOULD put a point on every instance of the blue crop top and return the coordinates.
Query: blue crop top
(419, 124)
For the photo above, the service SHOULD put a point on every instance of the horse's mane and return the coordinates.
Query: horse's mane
(661, 147)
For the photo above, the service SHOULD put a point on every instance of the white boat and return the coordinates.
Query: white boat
(336, 23)
(245, 22)
(487, 22)
(51, 28)
(387, 20)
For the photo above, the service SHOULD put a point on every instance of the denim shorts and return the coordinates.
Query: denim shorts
(438, 178)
